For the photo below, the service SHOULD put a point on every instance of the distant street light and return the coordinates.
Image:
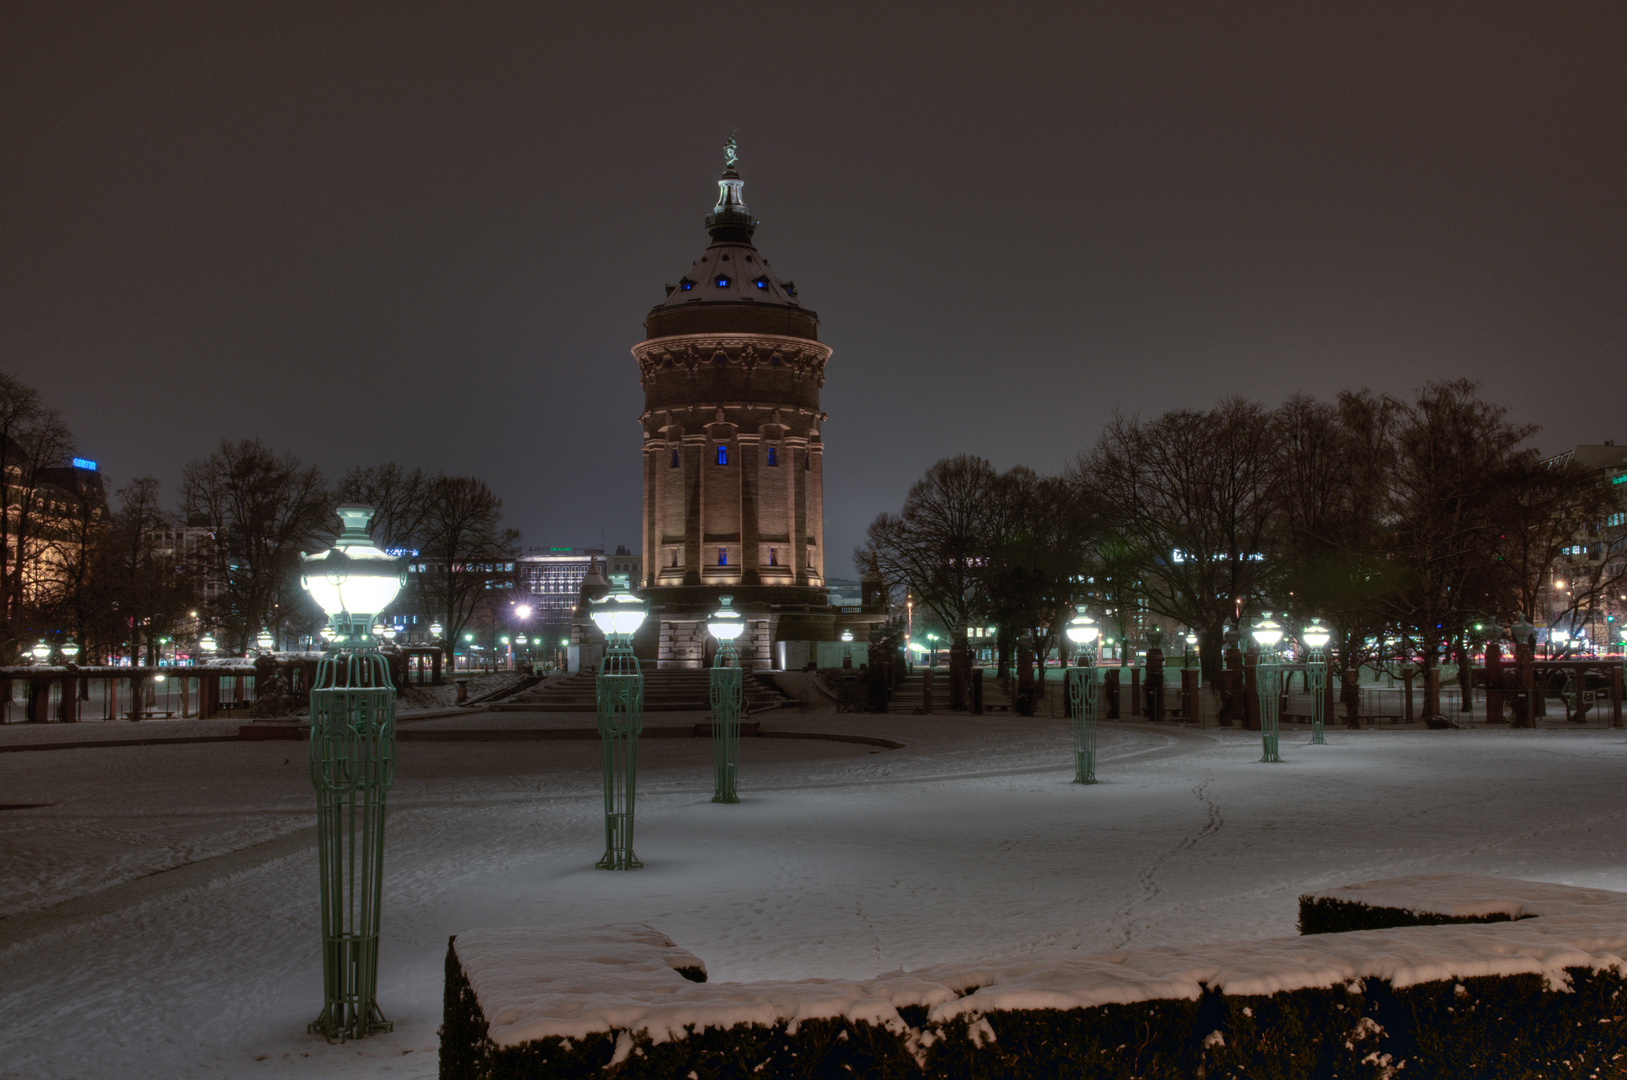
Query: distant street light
(1316, 671)
(70, 651)
(1268, 678)
(728, 697)
(620, 692)
(352, 767)
(41, 652)
(265, 641)
(1082, 694)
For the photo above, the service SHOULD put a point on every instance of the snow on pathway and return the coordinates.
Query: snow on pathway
(161, 916)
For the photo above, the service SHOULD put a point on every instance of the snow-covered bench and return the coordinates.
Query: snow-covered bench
(1538, 990)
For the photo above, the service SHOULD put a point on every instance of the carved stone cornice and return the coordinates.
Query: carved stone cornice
(688, 352)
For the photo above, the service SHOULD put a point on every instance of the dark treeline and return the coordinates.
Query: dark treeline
(1426, 521)
(120, 575)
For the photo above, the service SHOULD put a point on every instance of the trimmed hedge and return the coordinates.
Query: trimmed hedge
(1325, 915)
(1496, 1028)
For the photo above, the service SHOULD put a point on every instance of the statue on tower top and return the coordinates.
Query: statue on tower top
(730, 154)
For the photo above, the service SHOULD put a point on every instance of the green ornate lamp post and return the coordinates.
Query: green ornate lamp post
(620, 687)
(1082, 695)
(1316, 677)
(352, 767)
(1268, 677)
(728, 696)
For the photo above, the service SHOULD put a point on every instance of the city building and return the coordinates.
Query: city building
(731, 368)
(1585, 595)
(550, 580)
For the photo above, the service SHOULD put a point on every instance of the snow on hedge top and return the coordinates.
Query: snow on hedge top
(575, 981)
(1477, 895)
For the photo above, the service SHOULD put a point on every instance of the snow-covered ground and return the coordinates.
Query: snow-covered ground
(160, 915)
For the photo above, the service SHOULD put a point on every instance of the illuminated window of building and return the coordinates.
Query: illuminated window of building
(723, 556)
(722, 455)
(723, 281)
(674, 459)
(773, 556)
(773, 456)
(761, 283)
(686, 284)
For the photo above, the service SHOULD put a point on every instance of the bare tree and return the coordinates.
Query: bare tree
(400, 498)
(263, 508)
(469, 557)
(33, 438)
(938, 545)
(1193, 502)
(1454, 456)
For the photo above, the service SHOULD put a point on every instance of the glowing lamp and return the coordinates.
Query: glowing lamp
(1267, 632)
(1316, 635)
(619, 613)
(847, 635)
(206, 644)
(522, 640)
(265, 640)
(41, 652)
(69, 650)
(725, 623)
(1082, 629)
(436, 629)
(353, 580)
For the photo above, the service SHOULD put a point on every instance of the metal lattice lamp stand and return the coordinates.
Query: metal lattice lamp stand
(728, 699)
(1268, 677)
(352, 767)
(1316, 677)
(620, 687)
(1082, 696)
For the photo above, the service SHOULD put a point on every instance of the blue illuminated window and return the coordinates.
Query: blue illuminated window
(773, 556)
(773, 456)
(722, 281)
(723, 556)
(686, 284)
(761, 283)
(722, 455)
(675, 459)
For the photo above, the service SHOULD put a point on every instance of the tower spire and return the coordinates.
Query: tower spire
(730, 219)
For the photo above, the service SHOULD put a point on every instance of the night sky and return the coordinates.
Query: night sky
(430, 232)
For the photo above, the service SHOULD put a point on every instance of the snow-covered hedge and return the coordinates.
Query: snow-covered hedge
(1540, 994)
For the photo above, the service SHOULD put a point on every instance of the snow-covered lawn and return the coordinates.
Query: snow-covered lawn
(160, 917)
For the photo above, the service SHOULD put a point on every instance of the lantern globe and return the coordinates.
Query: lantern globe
(1267, 632)
(1316, 635)
(619, 613)
(725, 623)
(353, 577)
(1082, 629)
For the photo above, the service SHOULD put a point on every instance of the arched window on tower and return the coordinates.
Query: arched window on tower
(723, 556)
(722, 454)
(675, 461)
(773, 456)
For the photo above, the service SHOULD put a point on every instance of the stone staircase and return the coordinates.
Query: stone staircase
(676, 690)
(909, 696)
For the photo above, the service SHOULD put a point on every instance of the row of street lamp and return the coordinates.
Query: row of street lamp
(1084, 683)
(352, 748)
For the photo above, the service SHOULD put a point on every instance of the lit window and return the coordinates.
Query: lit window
(722, 455)
(773, 556)
(761, 283)
(773, 456)
(723, 556)
(686, 284)
(723, 281)
(675, 459)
